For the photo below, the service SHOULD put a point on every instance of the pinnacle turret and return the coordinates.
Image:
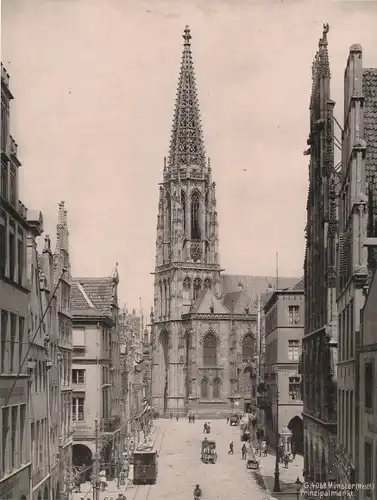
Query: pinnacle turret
(186, 145)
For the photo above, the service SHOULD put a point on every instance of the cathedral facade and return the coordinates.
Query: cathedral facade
(204, 324)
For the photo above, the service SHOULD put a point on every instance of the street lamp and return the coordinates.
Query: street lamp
(263, 388)
(298, 484)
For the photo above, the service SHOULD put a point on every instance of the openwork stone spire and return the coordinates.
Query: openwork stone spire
(186, 145)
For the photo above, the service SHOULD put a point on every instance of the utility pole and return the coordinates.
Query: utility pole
(96, 465)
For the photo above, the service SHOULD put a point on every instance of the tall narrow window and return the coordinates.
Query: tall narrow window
(21, 341)
(14, 437)
(248, 348)
(13, 342)
(195, 216)
(368, 384)
(12, 254)
(20, 256)
(204, 389)
(22, 433)
(5, 440)
(4, 180)
(13, 186)
(3, 250)
(168, 216)
(4, 335)
(216, 388)
(209, 350)
(183, 203)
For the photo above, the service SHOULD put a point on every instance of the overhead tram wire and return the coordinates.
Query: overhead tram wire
(64, 270)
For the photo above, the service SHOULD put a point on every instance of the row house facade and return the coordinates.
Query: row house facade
(319, 342)
(367, 393)
(96, 374)
(15, 457)
(356, 455)
(284, 327)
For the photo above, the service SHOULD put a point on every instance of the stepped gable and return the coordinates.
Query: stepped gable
(92, 296)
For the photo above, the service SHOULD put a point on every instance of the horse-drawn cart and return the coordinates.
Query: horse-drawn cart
(208, 455)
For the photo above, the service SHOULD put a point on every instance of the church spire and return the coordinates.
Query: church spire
(186, 145)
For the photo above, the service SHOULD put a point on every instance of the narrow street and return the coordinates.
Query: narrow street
(180, 467)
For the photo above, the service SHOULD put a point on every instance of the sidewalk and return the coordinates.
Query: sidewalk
(112, 489)
(287, 477)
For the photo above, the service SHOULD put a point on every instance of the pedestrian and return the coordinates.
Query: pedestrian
(102, 479)
(177, 417)
(193, 418)
(243, 451)
(205, 428)
(231, 448)
(286, 460)
(171, 416)
(189, 418)
(293, 451)
(227, 420)
(264, 448)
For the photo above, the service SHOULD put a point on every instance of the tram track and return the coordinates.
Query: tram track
(143, 491)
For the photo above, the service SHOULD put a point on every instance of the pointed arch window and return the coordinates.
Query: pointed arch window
(204, 389)
(168, 215)
(195, 216)
(161, 300)
(248, 348)
(216, 388)
(197, 287)
(183, 203)
(209, 350)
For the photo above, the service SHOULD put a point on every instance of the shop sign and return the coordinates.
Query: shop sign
(15, 486)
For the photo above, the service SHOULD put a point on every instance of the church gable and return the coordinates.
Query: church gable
(208, 303)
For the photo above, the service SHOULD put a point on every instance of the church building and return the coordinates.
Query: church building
(204, 324)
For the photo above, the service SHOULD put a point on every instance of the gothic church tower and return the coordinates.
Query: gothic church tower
(187, 259)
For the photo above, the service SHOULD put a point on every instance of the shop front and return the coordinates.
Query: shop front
(16, 486)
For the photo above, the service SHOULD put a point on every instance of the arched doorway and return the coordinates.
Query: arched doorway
(164, 364)
(82, 459)
(296, 426)
(45, 493)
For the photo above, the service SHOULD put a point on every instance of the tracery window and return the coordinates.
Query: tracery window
(183, 203)
(204, 389)
(209, 350)
(248, 348)
(216, 388)
(197, 287)
(195, 216)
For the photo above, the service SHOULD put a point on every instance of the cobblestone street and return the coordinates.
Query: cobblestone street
(180, 467)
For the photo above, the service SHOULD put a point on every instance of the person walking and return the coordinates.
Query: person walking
(243, 451)
(231, 448)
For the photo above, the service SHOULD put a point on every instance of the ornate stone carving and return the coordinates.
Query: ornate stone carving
(187, 283)
(196, 251)
(207, 282)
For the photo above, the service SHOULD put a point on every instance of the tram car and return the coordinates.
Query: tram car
(145, 467)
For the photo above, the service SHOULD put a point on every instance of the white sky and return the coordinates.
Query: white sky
(94, 84)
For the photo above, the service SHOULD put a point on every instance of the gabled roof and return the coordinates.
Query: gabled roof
(92, 296)
(205, 301)
(240, 301)
(298, 287)
(253, 285)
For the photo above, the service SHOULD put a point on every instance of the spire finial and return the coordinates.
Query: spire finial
(186, 35)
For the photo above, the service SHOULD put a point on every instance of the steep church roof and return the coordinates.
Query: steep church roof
(186, 145)
(206, 303)
(252, 285)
